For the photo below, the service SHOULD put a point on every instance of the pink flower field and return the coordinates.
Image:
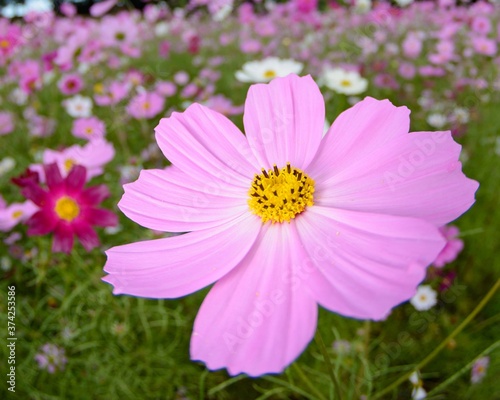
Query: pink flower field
(250, 200)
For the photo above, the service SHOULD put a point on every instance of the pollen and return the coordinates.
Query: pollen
(269, 74)
(279, 195)
(66, 208)
(68, 164)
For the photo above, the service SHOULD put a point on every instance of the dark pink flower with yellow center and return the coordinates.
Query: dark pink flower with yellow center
(67, 208)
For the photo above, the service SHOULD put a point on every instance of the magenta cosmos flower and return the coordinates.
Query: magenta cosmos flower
(283, 220)
(67, 209)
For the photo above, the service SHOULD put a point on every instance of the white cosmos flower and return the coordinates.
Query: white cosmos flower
(362, 6)
(418, 393)
(267, 69)
(78, 106)
(437, 120)
(424, 299)
(403, 3)
(346, 82)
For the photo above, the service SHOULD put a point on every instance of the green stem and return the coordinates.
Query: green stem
(329, 366)
(309, 384)
(463, 370)
(438, 349)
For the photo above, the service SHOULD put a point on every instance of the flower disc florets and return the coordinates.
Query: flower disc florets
(278, 195)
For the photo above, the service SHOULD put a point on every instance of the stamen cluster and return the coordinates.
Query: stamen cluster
(278, 195)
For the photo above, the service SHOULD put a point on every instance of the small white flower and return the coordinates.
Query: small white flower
(18, 96)
(424, 299)
(403, 3)
(78, 106)
(6, 165)
(362, 6)
(460, 115)
(418, 393)
(222, 12)
(437, 120)
(346, 82)
(83, 68)
(414, 378)
(162, 29)
(268, 69)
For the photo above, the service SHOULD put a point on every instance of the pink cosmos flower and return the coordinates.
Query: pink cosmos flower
(89, 128)
(479, 369)
(452, 248)
(51, 357)
(146, 105)
(16, 213)
(485, 46)
(113, 94)
(67, 209)
(6, 122)
(70, 84)
(283, 219)
(93, 156)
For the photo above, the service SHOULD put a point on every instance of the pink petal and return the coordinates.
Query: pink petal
(254, 320)
(102, 8)
(170, 200)
(87, 236)
(100, 217)
(94, 195)
(176, 266)
(412, 175)
(365, 263)
(53, 176)
(284, 121)
(367, 126)
(36, 194)
(76, 179)
(205, 144)
(63, 238)
(41, 223)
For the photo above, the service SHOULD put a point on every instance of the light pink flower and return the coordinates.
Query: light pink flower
(89, 128)
(113, 94)
(93, 156)
(481, 24)
(485, 46)
(452, 248)
(6, 122)
(16, 213)
(412, 46)
(51, 357)
(99, 9)
(479, 369)
(283, 219)
(146, 105)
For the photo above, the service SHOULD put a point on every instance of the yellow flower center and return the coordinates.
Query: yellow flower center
(278, 195)
(68, 164)
(146, 105)
(88, 130)
(345, 83)
(99, 88)
(4, 44)
(17, 214)
(269, 74)
(66, 208)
